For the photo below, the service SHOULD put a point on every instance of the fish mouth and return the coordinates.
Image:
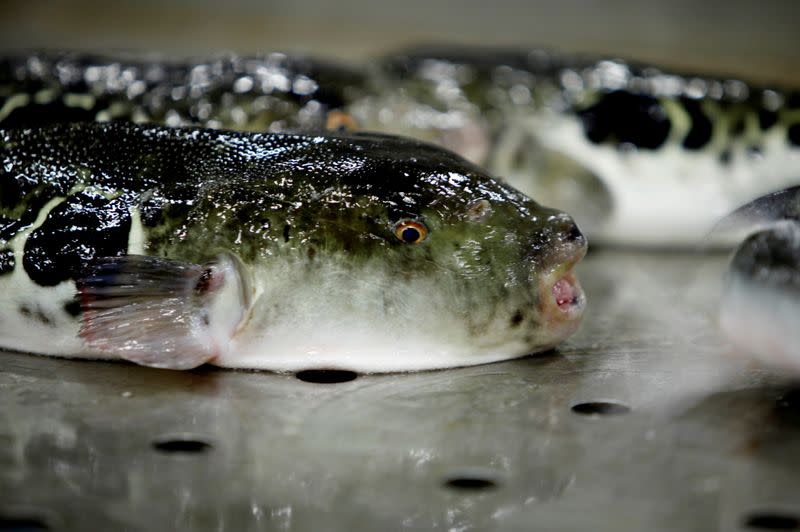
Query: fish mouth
(561, 295)
(568, 296)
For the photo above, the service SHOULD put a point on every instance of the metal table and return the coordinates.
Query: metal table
(645, 420)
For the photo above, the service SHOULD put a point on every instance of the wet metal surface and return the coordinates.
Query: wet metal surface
(643, 421)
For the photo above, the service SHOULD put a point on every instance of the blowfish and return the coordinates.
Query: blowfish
(273, 92)
(174, 247)
(639, 155)
(761, 298)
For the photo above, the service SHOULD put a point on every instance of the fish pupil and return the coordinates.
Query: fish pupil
(410, 235)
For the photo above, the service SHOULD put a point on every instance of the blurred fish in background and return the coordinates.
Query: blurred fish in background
(760, 308)
(639, 155)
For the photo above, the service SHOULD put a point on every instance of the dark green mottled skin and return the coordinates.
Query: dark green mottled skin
(311, 225)
(261, 196)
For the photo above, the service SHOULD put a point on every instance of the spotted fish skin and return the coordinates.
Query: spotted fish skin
(273, 92)
(640, 156)
(314, 225)
(667, 154)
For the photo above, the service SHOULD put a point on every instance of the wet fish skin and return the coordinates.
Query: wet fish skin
(761, 300)
(271, 92)
(312, 224)
(639, 154)
(761, 296)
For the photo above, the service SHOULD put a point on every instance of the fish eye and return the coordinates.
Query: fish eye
(410, 231)
(340, 121)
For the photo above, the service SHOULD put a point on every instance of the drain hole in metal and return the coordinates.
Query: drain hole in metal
(183, 446)
(772, 521)
(470, 483)
(600, 408)
(16, 524)
(326, 376)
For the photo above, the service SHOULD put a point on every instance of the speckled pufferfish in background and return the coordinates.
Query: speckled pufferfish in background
(639, 155)
(272, 251)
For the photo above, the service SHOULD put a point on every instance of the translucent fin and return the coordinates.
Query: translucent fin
(150, 310)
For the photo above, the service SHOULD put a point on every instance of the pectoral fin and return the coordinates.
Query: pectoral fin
(154, 311)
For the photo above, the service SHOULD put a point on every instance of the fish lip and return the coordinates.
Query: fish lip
(572, 309)
(562, 278)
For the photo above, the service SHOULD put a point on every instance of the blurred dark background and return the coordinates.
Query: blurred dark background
(754, 38)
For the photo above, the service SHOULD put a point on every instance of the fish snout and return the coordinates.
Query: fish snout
(569, 236)
(561, 298)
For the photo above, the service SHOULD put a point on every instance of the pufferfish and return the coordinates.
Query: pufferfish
(640, 155)
(175, 247)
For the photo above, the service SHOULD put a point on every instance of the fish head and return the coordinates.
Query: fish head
(405, 257)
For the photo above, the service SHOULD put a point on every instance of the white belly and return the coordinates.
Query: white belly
(665, 197)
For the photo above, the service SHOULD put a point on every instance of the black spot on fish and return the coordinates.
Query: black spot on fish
(769, 257)
(700, 133)
(517, 318)
(794, 134)
(595, 126)
(7, 261)
(78, 230)
(24, 195)
(8, 227)
(286, 229)
(73, 307)
(793, 100)
(10, 190)
(627, 118)
(766, 119)
(55, 112)
(36, 314)
(725, 157)
(737, 127)
(312, 253)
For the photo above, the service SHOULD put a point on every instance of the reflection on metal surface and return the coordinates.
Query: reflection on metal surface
(708, 443)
